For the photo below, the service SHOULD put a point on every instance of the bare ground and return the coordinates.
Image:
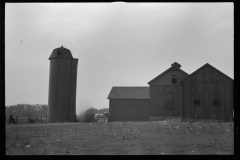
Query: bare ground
(120, 138)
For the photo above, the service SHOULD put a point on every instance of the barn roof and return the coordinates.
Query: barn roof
(175, 66)
(205, 65)
(61, 52)
(129, 93)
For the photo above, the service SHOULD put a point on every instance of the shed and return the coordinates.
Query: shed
(129, 104)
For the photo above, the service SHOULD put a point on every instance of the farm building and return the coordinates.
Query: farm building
(173, 94)
(207, 94)
(62, 86)
(162, 98)
(129, 104)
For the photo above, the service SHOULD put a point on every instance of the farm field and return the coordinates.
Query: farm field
(169, 137)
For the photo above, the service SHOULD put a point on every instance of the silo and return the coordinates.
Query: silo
(62, 86)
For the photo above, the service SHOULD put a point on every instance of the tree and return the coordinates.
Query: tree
(23, 110)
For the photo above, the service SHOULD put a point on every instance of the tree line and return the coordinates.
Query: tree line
(23, 110)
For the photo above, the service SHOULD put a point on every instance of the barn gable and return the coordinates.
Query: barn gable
(165, 77)
(129, 93)
(207, 74)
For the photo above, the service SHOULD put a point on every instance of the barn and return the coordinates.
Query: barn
(207, 94)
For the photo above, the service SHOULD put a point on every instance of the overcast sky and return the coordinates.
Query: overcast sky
(117, 44)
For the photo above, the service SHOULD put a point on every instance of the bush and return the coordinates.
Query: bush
(88, 115)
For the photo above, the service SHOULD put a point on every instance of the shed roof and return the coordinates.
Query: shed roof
(205, 65)
(129, 93)
(169, 69)
(61, 52)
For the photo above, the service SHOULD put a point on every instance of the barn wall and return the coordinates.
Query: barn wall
(158, 100)
(128, 110)
(207, 85)
(158, 90)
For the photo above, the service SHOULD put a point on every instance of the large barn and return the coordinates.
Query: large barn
(207, 94)
(175, 93)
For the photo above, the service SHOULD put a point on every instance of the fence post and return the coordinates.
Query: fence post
(28, 116)
(16, 119)
(41, 119)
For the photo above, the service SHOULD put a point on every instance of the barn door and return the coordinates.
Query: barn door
(169, 100)
(198, 108)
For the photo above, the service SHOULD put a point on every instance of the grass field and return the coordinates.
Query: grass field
(168, 137)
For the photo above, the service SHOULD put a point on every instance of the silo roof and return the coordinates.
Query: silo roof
(61, 52)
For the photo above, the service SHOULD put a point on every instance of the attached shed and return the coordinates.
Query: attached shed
(207, 94)
(129, 104)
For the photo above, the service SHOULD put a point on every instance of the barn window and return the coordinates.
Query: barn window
(196, 102)
(216, 102)
(58, 53)
(174, 79)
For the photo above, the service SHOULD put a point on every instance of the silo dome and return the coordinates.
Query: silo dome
(61, 52)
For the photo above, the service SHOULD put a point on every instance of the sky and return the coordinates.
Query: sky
(117, 44)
